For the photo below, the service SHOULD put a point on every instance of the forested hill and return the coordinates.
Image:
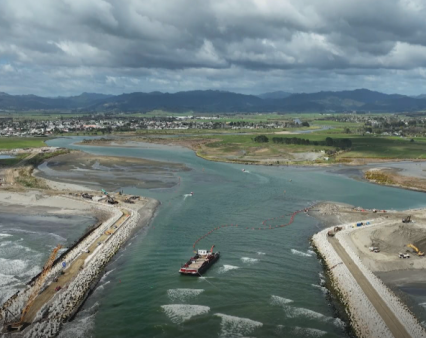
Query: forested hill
(221, 102)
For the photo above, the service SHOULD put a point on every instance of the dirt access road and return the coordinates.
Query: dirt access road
(392, 322)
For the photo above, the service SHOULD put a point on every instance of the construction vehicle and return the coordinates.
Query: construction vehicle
(406, 219)
(104, 192)
(403, 255)
(111, 200)
(38, 284)
(130, 201)
(416, 249)
(109, 232)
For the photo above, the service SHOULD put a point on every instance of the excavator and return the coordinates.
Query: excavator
(406, 219)
(416, 249)
(17, 326)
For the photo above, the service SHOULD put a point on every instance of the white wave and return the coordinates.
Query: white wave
(249, 260)
(311, 252)
(32, 271)
(5, 235)
(423, 323)
(58, 237)
(202, 278)
(183, 294)
(232, 326)
(12, 266)
(179, 313)
(300, 253)
(6, 280)
(277, 300)
(308, 332)
(227, 268)
(5, 243)
(260, 253)
(339, 323)
(102, 286)
(106, 275)
(423, 304)
(295, 312)
(322, 288)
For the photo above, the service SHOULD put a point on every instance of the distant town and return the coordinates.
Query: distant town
(385, 124)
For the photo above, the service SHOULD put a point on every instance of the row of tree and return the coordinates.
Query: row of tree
(343, 143)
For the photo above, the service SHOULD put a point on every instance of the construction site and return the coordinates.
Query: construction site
(365, 244)
(57, 293)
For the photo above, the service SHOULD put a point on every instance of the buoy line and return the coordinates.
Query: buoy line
(255, 228)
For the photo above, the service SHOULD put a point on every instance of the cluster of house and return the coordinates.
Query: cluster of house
(21, 127)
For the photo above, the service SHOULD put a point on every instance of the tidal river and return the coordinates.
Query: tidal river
(266, 284)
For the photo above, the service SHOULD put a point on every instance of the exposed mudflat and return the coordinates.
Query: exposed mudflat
(110, 173)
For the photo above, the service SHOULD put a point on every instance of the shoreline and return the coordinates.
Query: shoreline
(47, 314)
(359, 161)
(390, 177)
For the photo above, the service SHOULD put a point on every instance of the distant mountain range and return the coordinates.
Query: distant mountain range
(275, 95)
(221, 102)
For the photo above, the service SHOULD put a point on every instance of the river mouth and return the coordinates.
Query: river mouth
(266, 282)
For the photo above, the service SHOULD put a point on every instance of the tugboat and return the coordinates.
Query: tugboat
(199, 264)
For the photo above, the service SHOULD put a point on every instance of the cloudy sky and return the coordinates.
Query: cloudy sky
(65, 47)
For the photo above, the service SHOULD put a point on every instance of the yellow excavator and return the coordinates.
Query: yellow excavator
(416, 249)
(36, 289)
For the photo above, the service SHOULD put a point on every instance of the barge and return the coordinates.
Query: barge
(200, 263)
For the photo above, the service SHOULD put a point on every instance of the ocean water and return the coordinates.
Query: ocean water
(26, 241)
(267, 282)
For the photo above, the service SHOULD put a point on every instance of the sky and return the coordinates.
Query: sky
(66, 47)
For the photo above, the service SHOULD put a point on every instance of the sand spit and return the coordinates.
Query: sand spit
(392, 177)
(62, 306)
(355, 283)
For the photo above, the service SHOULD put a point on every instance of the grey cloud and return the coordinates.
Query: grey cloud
(248, 45)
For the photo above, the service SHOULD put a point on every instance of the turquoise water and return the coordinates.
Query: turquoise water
(266, 283)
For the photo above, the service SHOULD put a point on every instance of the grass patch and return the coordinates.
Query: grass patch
(7, 143)
(362, 146)
(378, 177)
(27, 180)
